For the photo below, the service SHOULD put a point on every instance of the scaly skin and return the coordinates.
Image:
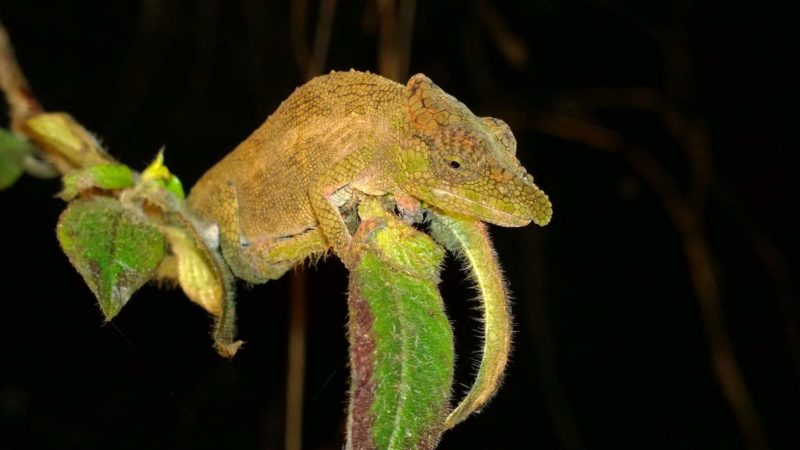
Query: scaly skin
(277, 197)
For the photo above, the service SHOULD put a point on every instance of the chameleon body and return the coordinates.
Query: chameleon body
(276, 199)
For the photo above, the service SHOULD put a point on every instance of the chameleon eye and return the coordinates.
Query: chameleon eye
(455, 164)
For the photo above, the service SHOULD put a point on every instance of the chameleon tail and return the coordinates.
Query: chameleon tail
(470, 240)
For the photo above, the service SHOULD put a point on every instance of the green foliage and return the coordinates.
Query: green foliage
(117, 240)
(401, 342)
(103, 176)
(13, 151)
(114, 250)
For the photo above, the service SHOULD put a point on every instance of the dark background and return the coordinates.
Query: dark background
(617, 331)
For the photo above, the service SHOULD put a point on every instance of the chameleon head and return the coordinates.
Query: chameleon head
(463, 164)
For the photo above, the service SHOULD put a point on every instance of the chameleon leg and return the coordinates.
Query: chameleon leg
(261, 261)
(299, 247)
(325, 209)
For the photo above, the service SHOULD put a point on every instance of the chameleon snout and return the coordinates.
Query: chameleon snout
(510, 199)
(536, 203)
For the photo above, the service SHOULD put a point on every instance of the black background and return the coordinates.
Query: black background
(611, 346)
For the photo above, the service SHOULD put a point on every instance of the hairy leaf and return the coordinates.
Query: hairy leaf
(68, 144)
(401, 343)
(103, 176)
(113, 249)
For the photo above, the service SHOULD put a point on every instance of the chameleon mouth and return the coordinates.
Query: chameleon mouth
(480, 211)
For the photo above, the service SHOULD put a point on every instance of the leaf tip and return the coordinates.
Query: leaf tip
(228, 349)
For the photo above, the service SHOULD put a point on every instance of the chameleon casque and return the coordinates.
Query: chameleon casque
(276, 199)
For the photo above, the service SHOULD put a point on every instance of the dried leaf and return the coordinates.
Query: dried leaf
(204, 278)
(69, 145)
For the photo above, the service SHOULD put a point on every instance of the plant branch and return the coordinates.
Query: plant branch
(22, 103)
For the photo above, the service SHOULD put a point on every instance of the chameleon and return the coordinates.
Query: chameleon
(278, 197)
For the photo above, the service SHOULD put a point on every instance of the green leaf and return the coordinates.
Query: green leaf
(174, 185)
(114, 250)
(103, 176)
(13, 151)
(401, 342)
